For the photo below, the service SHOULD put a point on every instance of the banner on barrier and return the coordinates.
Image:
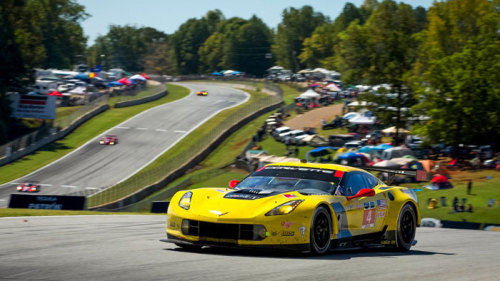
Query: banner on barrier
(47, 202)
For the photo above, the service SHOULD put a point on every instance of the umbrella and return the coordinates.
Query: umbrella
(350, 115)
(114, 84)
(386, 164)
(332, 87)
(55, 93)
(439, 179)
(382, 146)
(322, 151)
(392, 130)
(215, 73)
(125, 81)
(366, 148)
(138, 77)
(349, 155)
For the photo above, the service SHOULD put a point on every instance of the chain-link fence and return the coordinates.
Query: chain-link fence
(152, 175)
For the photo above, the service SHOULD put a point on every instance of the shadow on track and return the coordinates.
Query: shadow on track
(342, 254)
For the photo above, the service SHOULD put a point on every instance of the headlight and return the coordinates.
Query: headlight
(284, 209)
(185, 201)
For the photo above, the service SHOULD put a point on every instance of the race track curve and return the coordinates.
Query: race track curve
(126, 248)
(141, 139)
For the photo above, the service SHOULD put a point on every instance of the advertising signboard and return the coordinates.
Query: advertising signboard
(43, 107)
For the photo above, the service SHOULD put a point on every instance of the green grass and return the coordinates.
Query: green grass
(82, 134)
(483, 189)
(65, 111)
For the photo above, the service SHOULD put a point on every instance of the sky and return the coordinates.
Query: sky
(168, 15)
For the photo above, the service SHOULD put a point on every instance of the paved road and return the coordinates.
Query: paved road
(141, 140)
(128, 248)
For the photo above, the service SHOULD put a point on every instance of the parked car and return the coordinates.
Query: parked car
(280, 130)
(296, 137)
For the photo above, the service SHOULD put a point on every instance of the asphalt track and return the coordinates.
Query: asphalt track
(128, 248)
(141, 139)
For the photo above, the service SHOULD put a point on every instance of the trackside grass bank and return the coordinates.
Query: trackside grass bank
(82, 134)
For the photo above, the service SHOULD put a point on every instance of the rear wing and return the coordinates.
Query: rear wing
(420, 175)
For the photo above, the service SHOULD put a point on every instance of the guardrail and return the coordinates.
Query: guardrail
(155, 179)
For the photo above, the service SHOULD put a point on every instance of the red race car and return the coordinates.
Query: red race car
(28, 187)
(109, 139)
(202, 93)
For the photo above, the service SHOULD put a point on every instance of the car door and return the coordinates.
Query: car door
(361, 213)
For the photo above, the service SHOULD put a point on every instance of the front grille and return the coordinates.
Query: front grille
(220, 230)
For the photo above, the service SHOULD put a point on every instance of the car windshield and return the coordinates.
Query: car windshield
(287, 178)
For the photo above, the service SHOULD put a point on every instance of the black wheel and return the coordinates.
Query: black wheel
(407, 225)
(189, 247)
(321, 229)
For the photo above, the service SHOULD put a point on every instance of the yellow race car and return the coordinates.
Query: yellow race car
(302, 207)
(202, 93)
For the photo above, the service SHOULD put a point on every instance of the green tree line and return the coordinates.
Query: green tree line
(442, 62)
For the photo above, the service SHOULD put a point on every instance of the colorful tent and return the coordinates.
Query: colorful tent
(145, 76)
(55, 93)
(125, 81)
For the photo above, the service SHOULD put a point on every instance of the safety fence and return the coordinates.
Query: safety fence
(156, 178)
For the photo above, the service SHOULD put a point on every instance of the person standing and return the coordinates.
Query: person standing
(469, 187)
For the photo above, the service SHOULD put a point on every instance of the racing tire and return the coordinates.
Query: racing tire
(321, 230)
(407, 226)
(188, 247)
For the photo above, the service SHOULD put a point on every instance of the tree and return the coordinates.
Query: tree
(456, 76)
(212, 53)
(159, 58)
(296, 26)
(382, 51)
(253, 42)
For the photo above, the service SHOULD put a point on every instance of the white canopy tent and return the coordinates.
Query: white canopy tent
(309, 94)
(363, 120)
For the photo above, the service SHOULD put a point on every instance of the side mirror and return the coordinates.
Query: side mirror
(363, 193)
(233, 183)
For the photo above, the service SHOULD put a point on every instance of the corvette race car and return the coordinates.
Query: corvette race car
(28, 187)
(109, 139)
(304, 207)
(202, 93)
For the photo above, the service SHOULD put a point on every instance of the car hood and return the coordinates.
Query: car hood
(223, 203)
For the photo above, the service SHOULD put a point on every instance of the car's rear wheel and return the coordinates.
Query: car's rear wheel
(321, 229)
(407, 225)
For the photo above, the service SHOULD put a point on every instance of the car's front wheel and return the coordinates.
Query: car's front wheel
(407, 225)
(321, 229)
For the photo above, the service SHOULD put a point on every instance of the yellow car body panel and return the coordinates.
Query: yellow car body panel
(351, 218)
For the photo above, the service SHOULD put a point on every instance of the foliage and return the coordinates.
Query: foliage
(296, 26)
(126, 47)
(456, 76)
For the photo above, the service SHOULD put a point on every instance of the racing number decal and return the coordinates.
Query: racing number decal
(369, 215)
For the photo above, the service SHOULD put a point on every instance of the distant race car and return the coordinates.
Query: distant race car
(109, 139)
(28, 187)
(304, 207)
(202, 93)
